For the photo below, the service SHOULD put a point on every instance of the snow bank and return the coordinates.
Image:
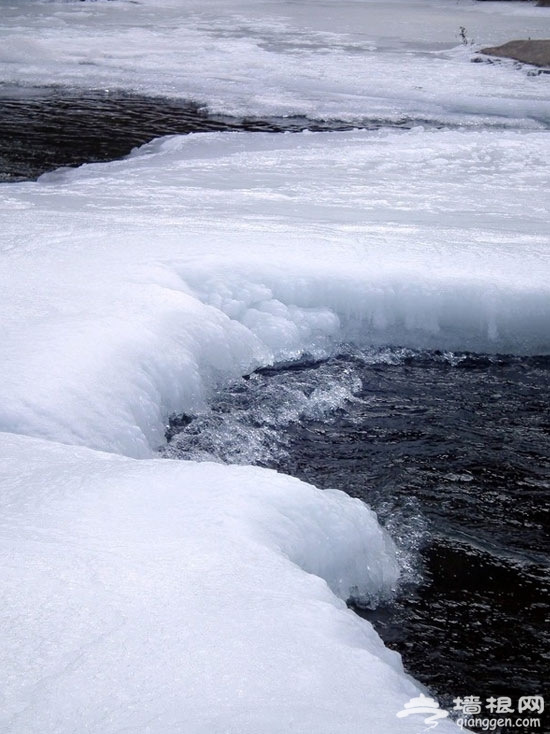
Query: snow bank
(167, 596)
(338, 59)
(131, 289)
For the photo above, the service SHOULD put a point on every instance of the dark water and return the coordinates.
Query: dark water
(453, 452)
(43, 128)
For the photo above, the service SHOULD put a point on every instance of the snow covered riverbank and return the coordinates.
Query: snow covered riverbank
(172, 596)
(133, 288)
(350, 59)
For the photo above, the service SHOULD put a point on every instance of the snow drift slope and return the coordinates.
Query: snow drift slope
(164, 597)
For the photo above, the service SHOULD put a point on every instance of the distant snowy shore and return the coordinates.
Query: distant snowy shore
(347, 60)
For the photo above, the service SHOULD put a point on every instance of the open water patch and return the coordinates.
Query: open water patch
(44, 128)
(453, 453)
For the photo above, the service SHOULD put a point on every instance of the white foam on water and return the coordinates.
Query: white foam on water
(344, 60)
(248, 421)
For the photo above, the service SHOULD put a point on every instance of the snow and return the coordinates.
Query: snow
(132, 289)
(166, 596)
(343, 59)
(148, 595)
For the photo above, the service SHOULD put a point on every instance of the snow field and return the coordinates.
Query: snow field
(169, 597)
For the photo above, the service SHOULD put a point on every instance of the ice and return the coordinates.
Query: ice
(344, 59)
(132, 289)
(165, 596)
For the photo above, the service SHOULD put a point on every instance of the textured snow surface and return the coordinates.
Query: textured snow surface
(130, 289)
(162, 596)
(336, 58)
